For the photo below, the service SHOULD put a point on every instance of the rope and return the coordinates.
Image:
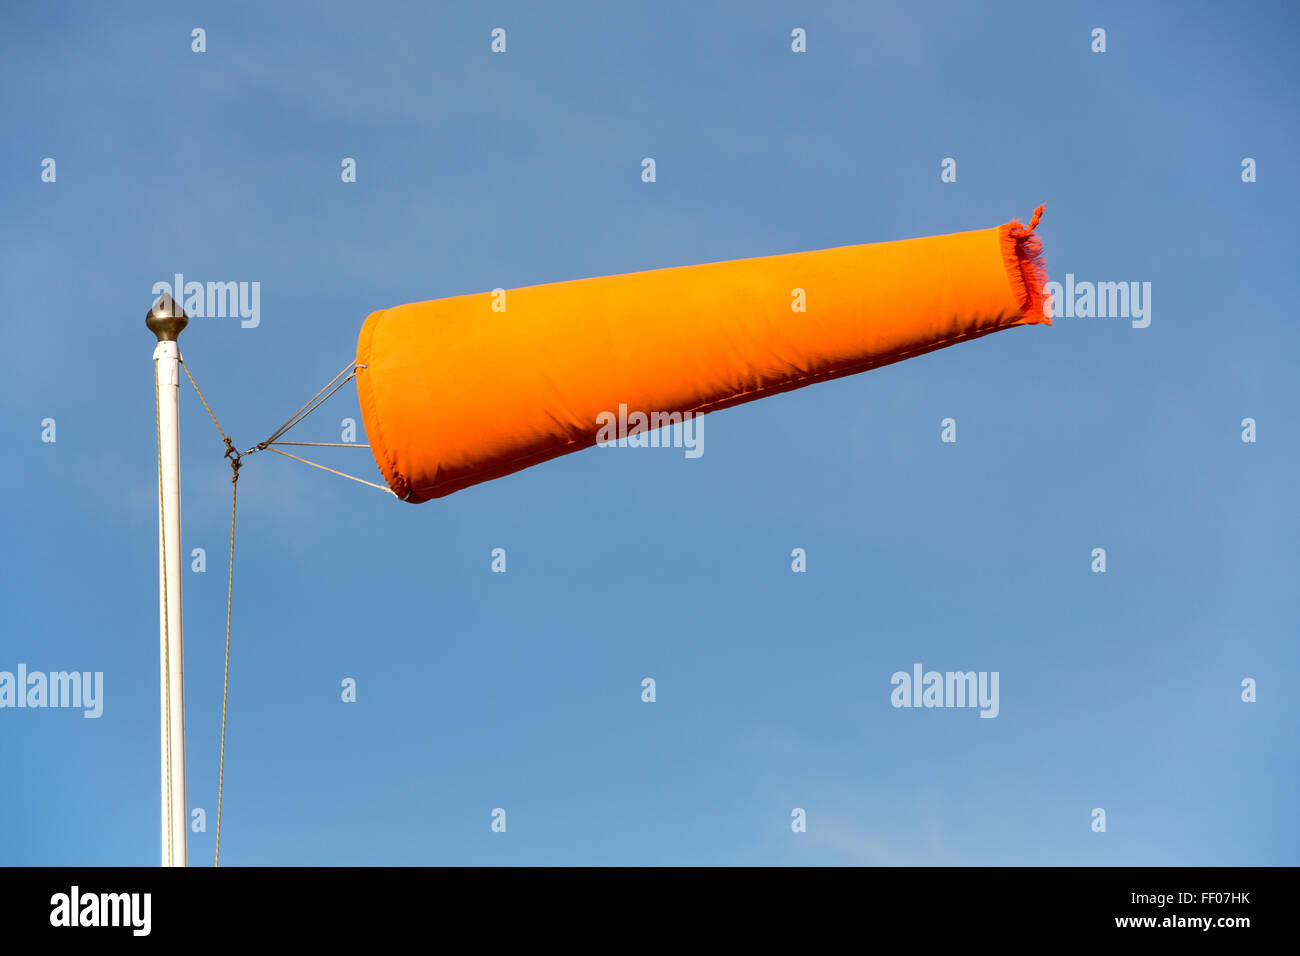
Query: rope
(312, 404)
(225, 680)
(321, 444)
(236, 463)
(167, 630)
(181, 359)
(347, 373)
(331, 470)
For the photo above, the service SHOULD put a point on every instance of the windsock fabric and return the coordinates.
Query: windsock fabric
(462, 390)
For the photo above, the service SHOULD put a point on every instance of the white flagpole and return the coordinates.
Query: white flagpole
(166, 320)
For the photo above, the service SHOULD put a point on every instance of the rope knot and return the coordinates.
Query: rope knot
(234, 457)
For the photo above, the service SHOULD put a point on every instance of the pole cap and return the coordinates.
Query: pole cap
(166, 319)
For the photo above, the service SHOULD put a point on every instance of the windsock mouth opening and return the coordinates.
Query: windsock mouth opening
(376, 434)
(1022, 253)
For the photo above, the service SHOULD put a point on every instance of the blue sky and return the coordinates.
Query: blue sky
(522, 691)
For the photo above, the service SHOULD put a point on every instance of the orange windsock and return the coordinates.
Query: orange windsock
(463, 390)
